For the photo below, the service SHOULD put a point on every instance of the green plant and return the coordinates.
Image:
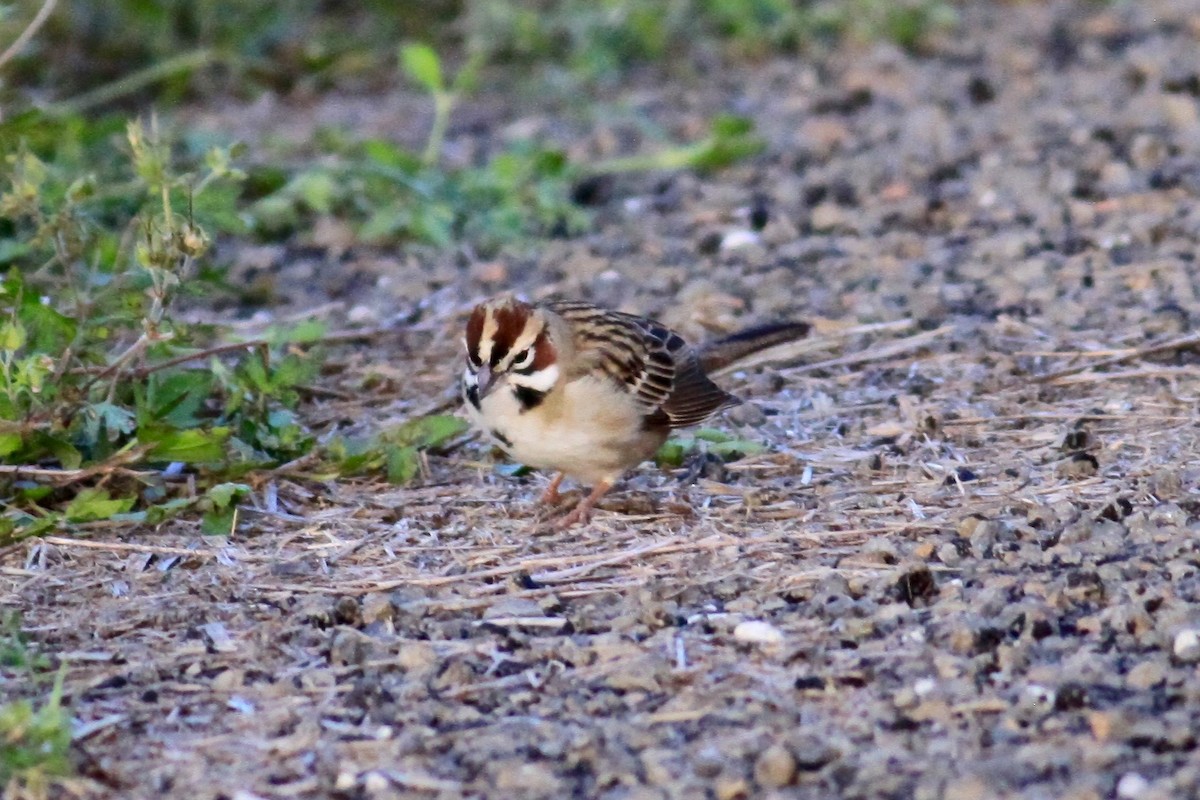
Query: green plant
(705, 440)
(390, 195)
(600, 40)
(34, 743)
(33, 740)
(109, 407)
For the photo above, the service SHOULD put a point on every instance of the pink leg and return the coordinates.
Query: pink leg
(550, 496)
(583, 511)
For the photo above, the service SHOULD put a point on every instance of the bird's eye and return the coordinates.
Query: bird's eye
(524, 360)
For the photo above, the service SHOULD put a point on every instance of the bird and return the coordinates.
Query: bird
(589, 392)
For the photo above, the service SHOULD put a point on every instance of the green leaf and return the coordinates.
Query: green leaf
(422, 65)
(436, 430)
(223, 494)
(176, 398)
(9, 444)
(219, 522)
(189, 446)
(306, 332)
(426, 431)
(94, 504)
(403, 464)
(12, 336)
(114, 419)
(735, 449)
(389, 154)
(712, 435)
(162, 512)
(671, 454)
(317, 189)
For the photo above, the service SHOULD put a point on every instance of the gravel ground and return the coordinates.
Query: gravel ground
(966, 566)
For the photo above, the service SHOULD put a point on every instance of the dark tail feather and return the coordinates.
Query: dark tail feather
(720, 353)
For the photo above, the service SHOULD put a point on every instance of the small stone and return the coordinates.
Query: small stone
(528, 780)
(826, 217)
(746, 414)
(775, 767)
(728, 788)
(1132, 786)
(512, 607)
(708, 763)
(739, 239)
(633, 677)
(1146, 675)
(758, 632)
(377, 607)
(812, 752)
(375, 783)
(968, 788)
(418, 658)
(1187, 646)
(948, 554)
(362, 315)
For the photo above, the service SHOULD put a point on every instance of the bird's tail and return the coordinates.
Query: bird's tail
(720, 353)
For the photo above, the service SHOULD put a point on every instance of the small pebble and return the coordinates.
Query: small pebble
(1187, 646)
(1132, 786)
(737, 239)
(775, 767)
(758, 632)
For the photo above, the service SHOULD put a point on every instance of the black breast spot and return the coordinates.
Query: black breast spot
(501, 438)
(528, 398)
(471, 392)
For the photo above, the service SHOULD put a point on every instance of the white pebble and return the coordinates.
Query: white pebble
(739, 238)
(1187, 645)
(1132, 786)
(758, 632)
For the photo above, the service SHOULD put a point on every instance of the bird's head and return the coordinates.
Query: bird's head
(509, 344)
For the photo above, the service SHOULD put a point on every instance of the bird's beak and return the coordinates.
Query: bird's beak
(486, 380)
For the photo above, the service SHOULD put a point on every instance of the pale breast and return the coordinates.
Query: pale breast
(590, 429)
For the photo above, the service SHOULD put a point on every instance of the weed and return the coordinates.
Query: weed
(109, 408)
(705, 440)
(602, 40)
(34, 741)
(391, 196)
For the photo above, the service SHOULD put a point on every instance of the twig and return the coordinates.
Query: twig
(126, 547)
(1133, 355)
(38, 21)
(145, 371)
(63, 477)
(133, 82)
(1133, 374)
(881, 352)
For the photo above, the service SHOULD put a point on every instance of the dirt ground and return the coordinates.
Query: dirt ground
(967, 565)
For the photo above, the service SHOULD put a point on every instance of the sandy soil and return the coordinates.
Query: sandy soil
(966, 567)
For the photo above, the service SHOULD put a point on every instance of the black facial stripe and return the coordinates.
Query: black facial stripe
(528, 398)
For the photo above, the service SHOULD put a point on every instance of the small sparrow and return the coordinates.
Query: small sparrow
(590, 392)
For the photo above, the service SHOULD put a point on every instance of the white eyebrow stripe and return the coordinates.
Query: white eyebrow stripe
(487, 338)
(541, 381)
